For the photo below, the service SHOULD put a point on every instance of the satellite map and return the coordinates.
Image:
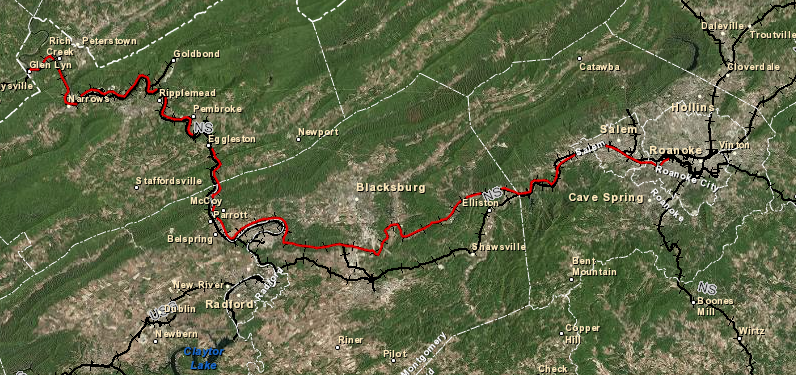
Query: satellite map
(397, 187)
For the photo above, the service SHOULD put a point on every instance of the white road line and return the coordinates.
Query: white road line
(491, 321)
(233, 177)
(92, 237)
(8, 243)
(88, 50)
(24, 69)
(577, 334)
(327, 68)
(554, 55)
(485, 148)
(522, 218)
(678, 67)
(200, 191)
(490, 78)
(26, 262)
(259, 169)
(451, 88)
(298, 9)
(584, 35)
(783, 110)
(469, 117)
(493, 158)
(96, 64)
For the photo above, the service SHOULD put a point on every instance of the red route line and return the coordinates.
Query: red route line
(533, 182)
(630, 157)
(189, 119)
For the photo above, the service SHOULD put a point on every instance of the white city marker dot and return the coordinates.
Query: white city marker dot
(298, 139)
(571, 279)
(337, 347)
(136, 187)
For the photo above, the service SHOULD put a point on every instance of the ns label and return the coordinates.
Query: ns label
(493, 193)
(709, 289)
(202, 127)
